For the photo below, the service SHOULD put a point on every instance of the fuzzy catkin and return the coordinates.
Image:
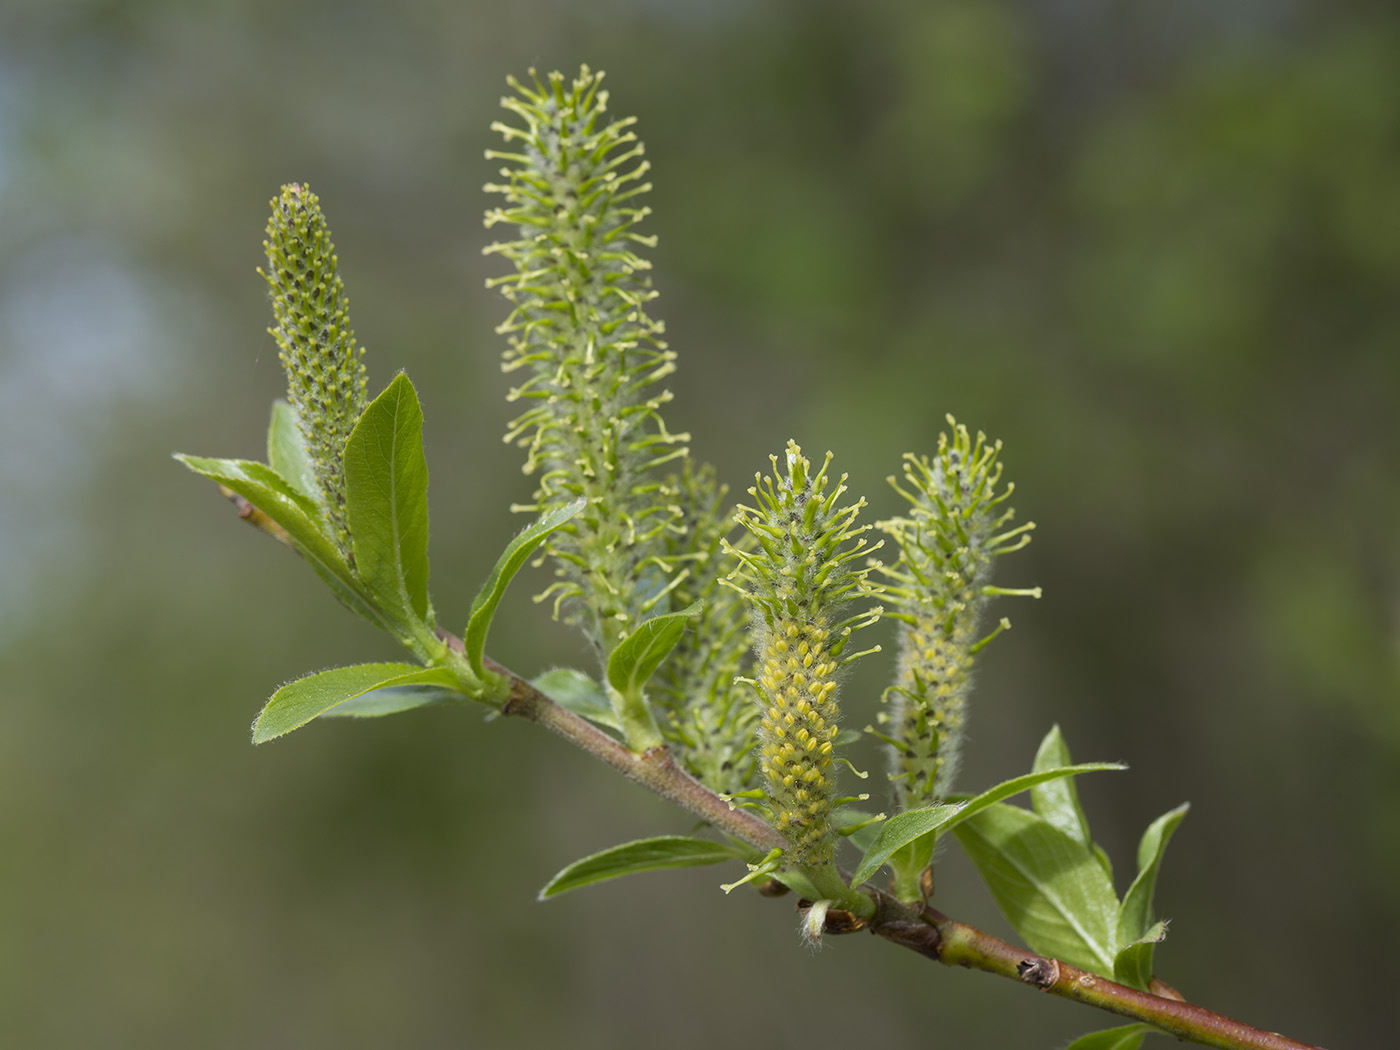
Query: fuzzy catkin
(326, 378)
(579, 327)
(799, 581)
(938, 591)
(703, 713)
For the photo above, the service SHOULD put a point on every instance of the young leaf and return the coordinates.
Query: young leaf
(392, 700)
(1049, 886)
(1057, 801)
(515, 555)
(637, 656)
(899, 831)
(580, 694)
(297, 514)
(386, 493)
(1135, 916)
(1128, 1037)
(1133, 963)
(286, 451)
(297, 703)
(665, 851)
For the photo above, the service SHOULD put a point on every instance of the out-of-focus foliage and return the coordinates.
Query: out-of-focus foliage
(1155, 248)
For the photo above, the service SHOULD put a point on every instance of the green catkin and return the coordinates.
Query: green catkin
(326, 380)
(938, 591)
(703, 713)
(580, 330)
(798, 580)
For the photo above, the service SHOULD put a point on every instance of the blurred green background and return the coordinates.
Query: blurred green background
(1153, 247)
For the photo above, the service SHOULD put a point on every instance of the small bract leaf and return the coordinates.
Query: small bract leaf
(386, 494)
(1135, 917)
(1133, 963)
(1049, 886)
(286, 451)
(1128, 1037)
(516, 554)
(297, 703)
(580, 694)
(665, 851)
(637, 656)
(900, 830)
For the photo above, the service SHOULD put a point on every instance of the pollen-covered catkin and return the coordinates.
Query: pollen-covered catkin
(937, 591)
(326, 380)
(798, 578)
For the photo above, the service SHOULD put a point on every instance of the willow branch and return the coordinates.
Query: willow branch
(919, 928)
(933, 934)
(922, 929)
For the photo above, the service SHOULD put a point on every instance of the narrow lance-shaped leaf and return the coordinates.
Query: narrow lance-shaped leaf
(515, 555)
(393, 700)
(1050, 887)
(904, 828)
(298, 515)
(386, 488)
(899, 831)
(665, 851)
(1058, 800)
(297, 703)
(637, 656)
(1135, 916)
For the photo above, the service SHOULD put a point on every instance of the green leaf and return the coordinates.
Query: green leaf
(1049, 886)
(580, 694)
(1128, 1037)
(637, 656)
(295, 512)
(515, 555)
(666, 851)
(1133, 963)
(286, 451)
(799, 883)
(297, 703)
(1135, 916)
(901, 830)
(392, 700)
(386, 503)
(912, 854)
(1058, 800)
